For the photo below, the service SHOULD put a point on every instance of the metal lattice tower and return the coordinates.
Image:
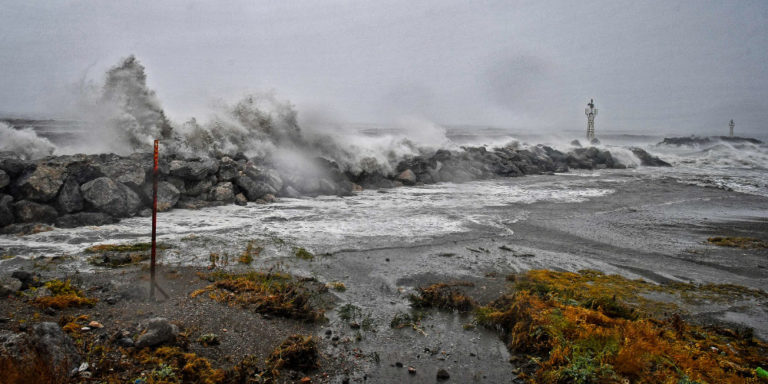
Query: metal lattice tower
(591, 112)
(732, 124)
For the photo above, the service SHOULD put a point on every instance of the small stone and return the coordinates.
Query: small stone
(328, 332)
(50, 311)
(125, 342)
(85, 329)
(354, 325)
(399, 364)
(412, 370)
(112, 300)
(442, 374)
(83, 367)
(387, 259)
(335, 338)
(306, 380)
(95, 324)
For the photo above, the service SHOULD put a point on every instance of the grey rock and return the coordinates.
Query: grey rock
(69, 199)
(109, 196)
(6, 210)
(241, 200)
(158, 331)
(27, 279)
(223, 192)
(4, 179)
(30, 212)
(647, 159)
(84, 218)
(192, 203)
(442, 374)
(131, 171)
(197, 188)
(178, 183)
(194, 169)
(126, 342)
(42, 184)
(54, 346)
(167, 195)
(407, 177)
(14, 165)
(253, 189)
(228, 169)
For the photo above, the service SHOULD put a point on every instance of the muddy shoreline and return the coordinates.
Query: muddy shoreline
(651, 230)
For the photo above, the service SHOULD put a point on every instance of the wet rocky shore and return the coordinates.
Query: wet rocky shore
(78, 190)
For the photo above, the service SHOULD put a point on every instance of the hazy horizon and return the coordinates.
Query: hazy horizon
(652, 67)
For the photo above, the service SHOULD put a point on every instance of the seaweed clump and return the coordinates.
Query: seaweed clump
(738, 242)
(297, 353)
(581, 338)
(270, 292)
(443, 296)
(64, 295)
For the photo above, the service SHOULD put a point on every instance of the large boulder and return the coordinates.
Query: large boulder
(167, 195)
(194, 169)
(44, 355)
(108, 196)
(197, 188)
(69, 199)
(253, 189)
(228, 169)
(647, 159)
(223, 192)
(30, 212)
(42, 184)
(84, 218)
(6, 210)
(407, 177)
(14, 165)
(131, 171)
(4, 179)
(157, 332)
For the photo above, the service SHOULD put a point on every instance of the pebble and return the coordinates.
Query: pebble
(50, 311)
(442, 374)
(399, 364)
(328, 332)
(306, 380)
(412, 370)
(85, 329)
(335, 338)
(95, 324)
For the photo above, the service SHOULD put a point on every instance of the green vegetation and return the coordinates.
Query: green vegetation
(63, 295)
(270, 292)
(297, 352)
(443, 296)
(589, 327)
(303, 254)
(738, 242)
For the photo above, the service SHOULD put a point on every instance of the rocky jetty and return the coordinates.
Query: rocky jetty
(706, 140)
(76, 190)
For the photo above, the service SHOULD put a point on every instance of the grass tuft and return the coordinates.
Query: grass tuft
(738, 242)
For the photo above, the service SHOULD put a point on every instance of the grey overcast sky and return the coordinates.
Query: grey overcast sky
(652, 66)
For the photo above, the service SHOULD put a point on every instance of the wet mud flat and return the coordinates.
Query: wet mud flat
(656, 231)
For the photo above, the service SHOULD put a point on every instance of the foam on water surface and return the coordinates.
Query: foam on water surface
(370, 219)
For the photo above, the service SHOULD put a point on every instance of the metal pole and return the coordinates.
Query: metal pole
(154, 225)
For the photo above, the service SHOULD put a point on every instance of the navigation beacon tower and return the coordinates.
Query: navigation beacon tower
(591, 112)
(732, 124)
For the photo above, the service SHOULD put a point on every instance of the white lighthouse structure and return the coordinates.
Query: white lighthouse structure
(591, 112)
(732, 124)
